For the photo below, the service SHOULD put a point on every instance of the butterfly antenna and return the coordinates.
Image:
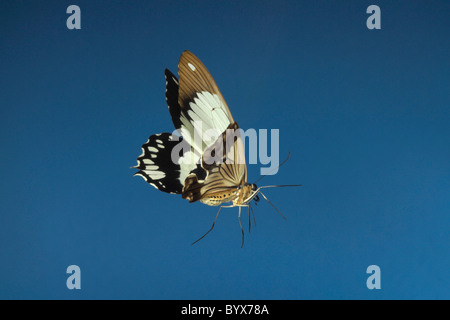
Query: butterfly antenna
(281, 186)
(272, 205)
(289, 154)
(212, 227)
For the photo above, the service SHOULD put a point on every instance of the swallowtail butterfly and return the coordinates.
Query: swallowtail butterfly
(214, 171)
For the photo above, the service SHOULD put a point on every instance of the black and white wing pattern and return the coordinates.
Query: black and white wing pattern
(201, 116)
(201, 108)
(156, 166)
(197, 108)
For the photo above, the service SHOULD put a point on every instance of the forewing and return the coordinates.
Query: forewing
(203, 110)
(195, 78)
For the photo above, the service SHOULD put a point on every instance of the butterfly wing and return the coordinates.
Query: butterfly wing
(202, 109)
(172, 98)
(198, 110)
(224, 162)
(194, 79)
(156, 166)
(201, 115)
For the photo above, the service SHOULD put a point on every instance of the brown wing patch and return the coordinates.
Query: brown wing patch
(195, 78)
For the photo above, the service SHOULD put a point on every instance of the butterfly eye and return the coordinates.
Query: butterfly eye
(254, 187)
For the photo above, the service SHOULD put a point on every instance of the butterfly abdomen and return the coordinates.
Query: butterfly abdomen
(217, 199)
(237, 196)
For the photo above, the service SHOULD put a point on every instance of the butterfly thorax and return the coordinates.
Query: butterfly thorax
(236, 195)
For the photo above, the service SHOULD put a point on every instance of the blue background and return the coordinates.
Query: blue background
(364, 113)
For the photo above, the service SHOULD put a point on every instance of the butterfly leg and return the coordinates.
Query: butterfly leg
(242, 230)
(272, 205)
(249, 220)
(212, 227)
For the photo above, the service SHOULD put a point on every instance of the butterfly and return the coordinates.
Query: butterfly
(193, 161)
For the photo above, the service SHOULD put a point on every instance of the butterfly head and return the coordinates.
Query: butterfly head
(249, 192)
